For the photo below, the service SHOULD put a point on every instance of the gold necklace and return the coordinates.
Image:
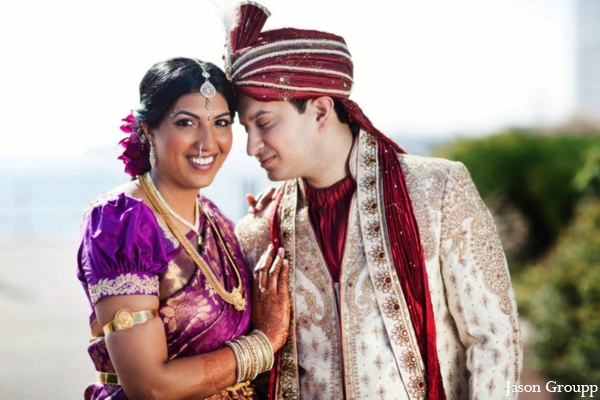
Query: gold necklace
(210, 221)
(194, 228)
(236, 297)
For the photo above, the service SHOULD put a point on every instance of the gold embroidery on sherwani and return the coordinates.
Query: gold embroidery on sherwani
(365, 343)
(317, 331)
(253, 234)
(289, 382)
(480, 251)
(357, 303)
(426, 180)
(381, 268)
(465, 351)
(422, 181)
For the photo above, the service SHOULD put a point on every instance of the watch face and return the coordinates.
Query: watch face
(124, 318)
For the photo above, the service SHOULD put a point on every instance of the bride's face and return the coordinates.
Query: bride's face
(185, 128)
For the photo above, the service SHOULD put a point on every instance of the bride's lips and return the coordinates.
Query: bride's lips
(203, 163)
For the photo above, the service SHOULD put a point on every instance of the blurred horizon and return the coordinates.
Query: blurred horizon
(47, 195)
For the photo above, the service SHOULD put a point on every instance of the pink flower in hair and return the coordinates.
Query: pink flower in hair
(136, 153)
(130, 125)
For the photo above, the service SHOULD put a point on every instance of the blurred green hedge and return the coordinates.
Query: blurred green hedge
(527, 181)
(565, 304)
(544, 193)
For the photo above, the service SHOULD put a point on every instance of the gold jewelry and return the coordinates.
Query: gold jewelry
(194, 228)
(238, 365)
(236, 297)
(223, 245)
(107, 378)
(125, 320)
(250, 350)
(253, 355)
(241, 360)
(244, 361)
(267, 348)
(207, 90)
(232, 392)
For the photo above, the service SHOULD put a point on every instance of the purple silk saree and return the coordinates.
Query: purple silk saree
(126, 250)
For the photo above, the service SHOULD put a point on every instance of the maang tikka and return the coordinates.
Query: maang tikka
(207, 90)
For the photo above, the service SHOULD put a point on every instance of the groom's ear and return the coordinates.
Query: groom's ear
(322, 109)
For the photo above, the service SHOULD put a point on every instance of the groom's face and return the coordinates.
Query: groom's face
(279, 136)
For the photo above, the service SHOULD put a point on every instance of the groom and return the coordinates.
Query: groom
(400, 286)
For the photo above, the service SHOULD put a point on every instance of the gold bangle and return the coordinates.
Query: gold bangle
(259, 360)
(125, 320)
(249, 356)
(261, 353)
(238, 361)
(268, 348)
(253, 355)
(244, 360)
(264, 355)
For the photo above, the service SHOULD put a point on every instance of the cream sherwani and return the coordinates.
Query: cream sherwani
(355, 339)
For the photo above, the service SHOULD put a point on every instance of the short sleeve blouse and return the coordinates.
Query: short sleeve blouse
(122, 249)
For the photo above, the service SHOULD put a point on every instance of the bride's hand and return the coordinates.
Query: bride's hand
(260, 202)
(270, 297)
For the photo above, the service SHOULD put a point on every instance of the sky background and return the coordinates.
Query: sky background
(424, 69)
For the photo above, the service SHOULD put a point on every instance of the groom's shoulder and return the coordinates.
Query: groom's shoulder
(253, 233)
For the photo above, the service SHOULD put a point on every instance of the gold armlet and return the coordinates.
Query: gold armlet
(125, 320)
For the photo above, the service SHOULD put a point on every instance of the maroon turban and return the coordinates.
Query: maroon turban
(290, 63)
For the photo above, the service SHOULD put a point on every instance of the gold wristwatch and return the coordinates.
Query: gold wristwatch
(125, 319)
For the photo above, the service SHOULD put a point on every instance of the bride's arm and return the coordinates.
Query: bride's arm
(140, 357)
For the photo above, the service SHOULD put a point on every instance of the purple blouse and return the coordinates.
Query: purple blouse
(125, 250)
